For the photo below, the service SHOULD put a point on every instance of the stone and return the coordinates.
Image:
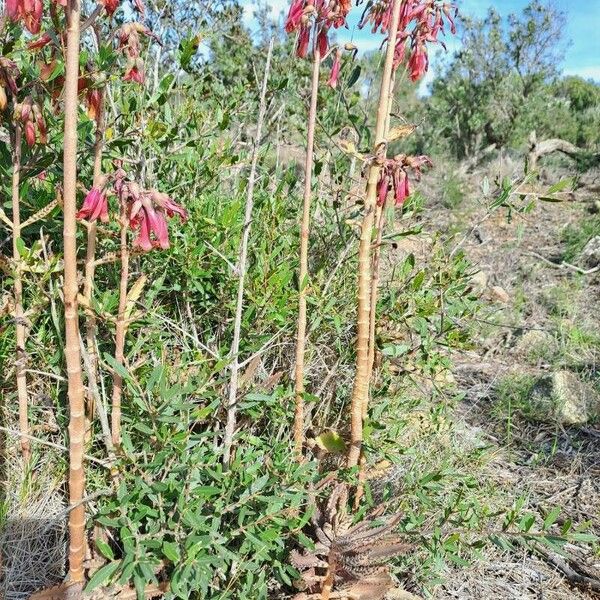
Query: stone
(590, 255)
(536, 344)
(563, 398)
(479, 281)
(500, 294)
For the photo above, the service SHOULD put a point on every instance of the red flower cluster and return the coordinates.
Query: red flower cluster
(28, 11)
(95, 204)
(394, 177)
(30, 116)
(421, 21)
(148, 214)
(147, 210)
(326, 14)
(130, 43)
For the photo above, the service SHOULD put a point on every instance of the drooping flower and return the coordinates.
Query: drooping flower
(130, 44)
(93, 99)
(394, 176)
(8, 80)
(29, 115)
(110, 6)
(319, 16)
(95, 204)
(421, 22)
(148, 211)
(335, 69)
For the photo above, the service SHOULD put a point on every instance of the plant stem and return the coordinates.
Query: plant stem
(121, 328)
(241, 269)
(380, 221)
(90, 264)
(304, 235)
(361, 380)
(72, 354)
(21, 357)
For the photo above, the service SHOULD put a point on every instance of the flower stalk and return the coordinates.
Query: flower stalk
(121, 326)
(90, 258)
(72, 352)
(20, 334)
(361, 381)
(303, 271)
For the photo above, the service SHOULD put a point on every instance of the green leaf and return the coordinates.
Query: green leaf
(551, 518)
(331, 441)
(105, 549)
(354, 76)
(116, 366)
(102, 575)
(561, 186)
(171, 551)
(21, 247)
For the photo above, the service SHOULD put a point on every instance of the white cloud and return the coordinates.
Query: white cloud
(592, 72)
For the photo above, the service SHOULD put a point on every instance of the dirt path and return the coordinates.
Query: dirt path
(542, 318)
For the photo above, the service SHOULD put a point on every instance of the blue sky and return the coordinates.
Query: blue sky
(583, 29)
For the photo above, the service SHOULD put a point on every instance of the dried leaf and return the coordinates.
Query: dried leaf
(402, 131)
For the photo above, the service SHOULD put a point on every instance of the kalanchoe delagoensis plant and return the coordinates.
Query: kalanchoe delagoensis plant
(421, 22)
(130, 44)
(148, 215)
(95, 204)
(29, 115)
(394, 177)
(324, 13)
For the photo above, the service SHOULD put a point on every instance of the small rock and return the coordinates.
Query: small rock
(563, 398)
(590, 255)
(500, 294)
(479, 281)
(536, 344)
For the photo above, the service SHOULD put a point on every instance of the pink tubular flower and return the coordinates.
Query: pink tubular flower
(148, 212)
(418, 62)
(95, 206)
(130, 44)
(335, 69)
(29, 115)
(305, 16)
(110, 6)
(421, 22)
(394, 172)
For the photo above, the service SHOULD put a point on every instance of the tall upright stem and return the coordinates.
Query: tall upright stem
(379, 223)
(72, 353)
(361, 381)
(90, 258)
(304, 235)
(242, 266)
(120, 329)
(20, 355)
(375, 266)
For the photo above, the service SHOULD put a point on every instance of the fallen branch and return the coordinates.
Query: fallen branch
(575, 577)
(564, 265)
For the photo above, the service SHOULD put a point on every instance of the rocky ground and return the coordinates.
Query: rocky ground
(532, 382)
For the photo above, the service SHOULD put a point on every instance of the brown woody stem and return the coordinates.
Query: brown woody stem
(20, 334)
(72, 354)
(360, 390)
(303, 273)
(90, 263)
(121, 329)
